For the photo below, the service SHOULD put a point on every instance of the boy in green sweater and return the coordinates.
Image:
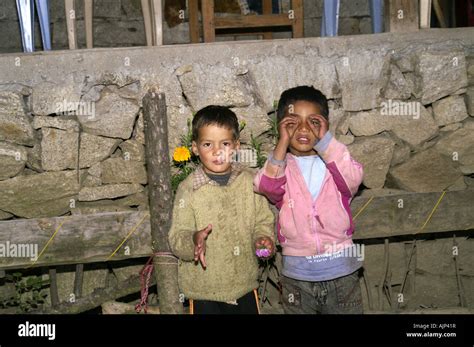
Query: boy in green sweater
(219, 222)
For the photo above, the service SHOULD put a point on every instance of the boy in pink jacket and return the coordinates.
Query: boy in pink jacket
(311, 178)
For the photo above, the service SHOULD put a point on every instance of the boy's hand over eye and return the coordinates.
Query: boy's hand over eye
(319, 126)
(199, 239)
(287, 128)
(265, 242)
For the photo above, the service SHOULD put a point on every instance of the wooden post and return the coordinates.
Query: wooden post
(53, 287)
(267, 9)
(160, 199)
(88, 19)
(193, 13)
(401, 15)
(298, 13)
(147, 21)
(157, 20)
(208, 21)
(425, 14)
(71, 23)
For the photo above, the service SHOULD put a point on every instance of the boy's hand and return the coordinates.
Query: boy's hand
(199, 239)
(265, 242)
(319, 126)
(287, 128)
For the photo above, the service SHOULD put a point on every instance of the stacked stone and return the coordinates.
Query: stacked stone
(60, 156)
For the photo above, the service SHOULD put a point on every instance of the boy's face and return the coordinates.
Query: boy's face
(215, 147)
(304, 138)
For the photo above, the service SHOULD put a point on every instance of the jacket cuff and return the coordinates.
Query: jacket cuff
(323, 144)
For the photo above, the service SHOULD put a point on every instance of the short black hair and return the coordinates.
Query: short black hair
(219, 115)
(302, 93)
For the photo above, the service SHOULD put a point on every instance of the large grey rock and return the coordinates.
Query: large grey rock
(398, 87)
(458, 146)
(375, 154)
(58, 149)
(426, 171)
(219, 85)
(118, 170)
(101, 206)
(50, 98)
(469, 98)
(305, 69)
(364, 69)
(449, 110)
(33, 160)
(64, 123)
(43, 195)
(470, 69)
(13, 98)
(451, 127)
(15, 127)
(369, 123)
(439, 75)
(256, 119)
(109, 191)
(114, 117)
(401, 153)
(415, 129)
(95, 149)
(5, 215)
(139, 130)
(133, 150)
(338, 120)
(12, 159)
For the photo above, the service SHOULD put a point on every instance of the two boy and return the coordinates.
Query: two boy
(310, 177)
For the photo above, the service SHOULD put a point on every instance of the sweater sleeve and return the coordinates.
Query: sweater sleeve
(183, 225)
(264, 218)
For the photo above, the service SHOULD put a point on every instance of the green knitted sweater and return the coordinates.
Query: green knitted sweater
(238, 216)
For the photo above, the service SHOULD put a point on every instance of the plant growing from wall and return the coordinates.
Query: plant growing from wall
(30, 293)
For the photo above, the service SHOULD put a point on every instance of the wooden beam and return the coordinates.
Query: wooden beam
(80, 239)
(425, 14)
(253, 21)
(97, 297)
(157, 20)
(92, 238)
(147, 22)
(298, 15)
(89, 19)
(193, 13)
(401, 15)
(208, 20)
(71, 23)
(267, 9)
(160, 200)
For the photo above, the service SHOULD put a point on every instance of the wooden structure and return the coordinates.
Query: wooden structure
(266, 21)
(152, 18)
(93, 238)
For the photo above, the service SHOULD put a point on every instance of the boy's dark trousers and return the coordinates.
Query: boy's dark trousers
(338, 296)
(247, 304)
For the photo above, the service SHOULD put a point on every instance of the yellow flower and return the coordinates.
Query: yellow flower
(181, 154)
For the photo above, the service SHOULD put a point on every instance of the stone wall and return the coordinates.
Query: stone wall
(119, 23)
(71, 129)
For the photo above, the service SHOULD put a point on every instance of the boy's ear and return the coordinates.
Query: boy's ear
(194, 147)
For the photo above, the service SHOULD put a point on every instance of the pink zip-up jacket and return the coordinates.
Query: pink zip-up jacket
(306, 227)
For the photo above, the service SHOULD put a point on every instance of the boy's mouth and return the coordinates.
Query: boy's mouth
(303, 139)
